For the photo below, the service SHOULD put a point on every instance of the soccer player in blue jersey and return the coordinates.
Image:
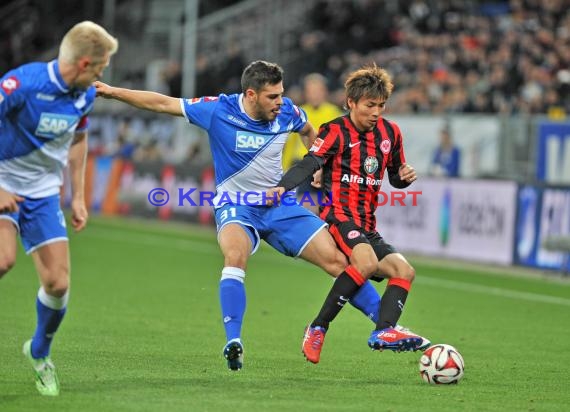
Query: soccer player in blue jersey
(43, 127)
(247, 132)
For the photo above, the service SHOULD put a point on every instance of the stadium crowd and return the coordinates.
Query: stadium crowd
(448, 56)
(31, 28)
(444, 55)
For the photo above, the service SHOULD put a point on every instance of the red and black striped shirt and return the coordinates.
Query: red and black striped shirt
(353, 167)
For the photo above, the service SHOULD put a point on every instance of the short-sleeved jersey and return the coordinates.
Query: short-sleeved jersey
(353, 168)
(246, 152)
(39, 115)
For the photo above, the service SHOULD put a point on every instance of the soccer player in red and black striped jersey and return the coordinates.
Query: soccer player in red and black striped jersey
(354, 151)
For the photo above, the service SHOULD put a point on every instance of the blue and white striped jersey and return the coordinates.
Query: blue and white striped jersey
(39, 115)
(247, 153)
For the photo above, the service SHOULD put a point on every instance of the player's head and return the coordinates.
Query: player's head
(315, 88)
(86, 50)
(367, 91)
(262, 86)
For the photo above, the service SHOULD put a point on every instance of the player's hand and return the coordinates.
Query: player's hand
(103, 89)
(9, 202)
(407, 173)
(79, 215)
(273, 196)
(317, 179)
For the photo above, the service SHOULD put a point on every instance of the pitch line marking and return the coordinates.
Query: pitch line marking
(490, 290)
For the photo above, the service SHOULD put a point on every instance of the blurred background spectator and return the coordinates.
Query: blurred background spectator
(444, 55)
(446, 159)
(172, 75)
(314, 100)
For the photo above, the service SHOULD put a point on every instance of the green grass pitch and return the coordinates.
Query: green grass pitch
(143, 333)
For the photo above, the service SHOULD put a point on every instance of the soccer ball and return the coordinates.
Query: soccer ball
(441, 364)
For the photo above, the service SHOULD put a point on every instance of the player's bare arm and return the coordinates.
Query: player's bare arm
(155, 102)
(9, 201)
(407, 173)
(77, 162)
(308, 135)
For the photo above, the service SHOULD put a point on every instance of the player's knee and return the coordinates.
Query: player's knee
(235, 258)
(6, 263)
(56, 281)
(56, 287)
(406, 272)
(367, 268)
(364, 260)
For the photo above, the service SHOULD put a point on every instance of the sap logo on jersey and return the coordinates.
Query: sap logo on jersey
(249, 142)
(55, 124)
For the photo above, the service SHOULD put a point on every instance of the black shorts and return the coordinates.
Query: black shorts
(347, 235)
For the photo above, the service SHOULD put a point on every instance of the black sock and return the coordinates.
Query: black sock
(343, 290)
(391, 306)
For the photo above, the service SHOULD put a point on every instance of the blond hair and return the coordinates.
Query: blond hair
(370, 81)
(87, 39)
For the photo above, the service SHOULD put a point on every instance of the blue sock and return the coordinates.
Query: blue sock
(50, 310)
(367, 300)
(232, 299)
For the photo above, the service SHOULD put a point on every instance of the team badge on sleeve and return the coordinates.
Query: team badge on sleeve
(316, 145)
(202, 99)
(10, 84)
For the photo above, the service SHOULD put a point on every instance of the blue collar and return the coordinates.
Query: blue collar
(55, 76)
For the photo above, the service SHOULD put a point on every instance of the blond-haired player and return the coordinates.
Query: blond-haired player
(43, 127)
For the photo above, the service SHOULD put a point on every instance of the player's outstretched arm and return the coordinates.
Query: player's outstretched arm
(141, 99)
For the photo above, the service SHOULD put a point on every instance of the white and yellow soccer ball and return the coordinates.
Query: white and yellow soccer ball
(442, 364)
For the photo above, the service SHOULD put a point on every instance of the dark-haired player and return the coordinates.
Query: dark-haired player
(247, 132)
(354, 151)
